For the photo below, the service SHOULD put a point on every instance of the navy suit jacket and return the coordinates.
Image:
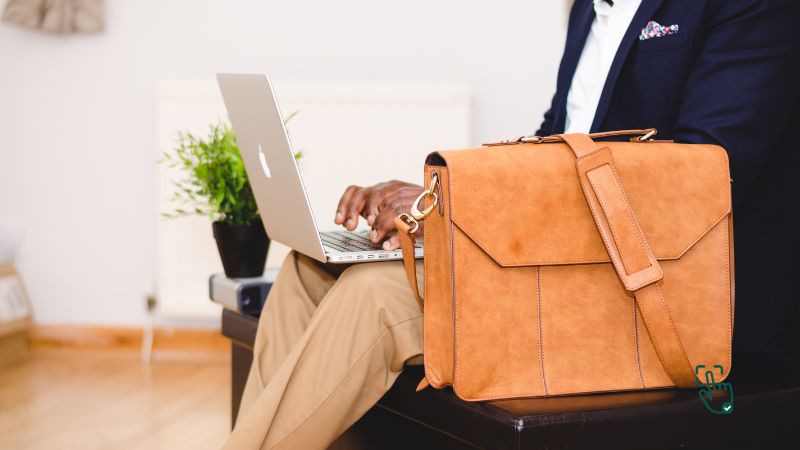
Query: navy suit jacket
(728, 77)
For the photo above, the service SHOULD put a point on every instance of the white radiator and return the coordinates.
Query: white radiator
(348, 133)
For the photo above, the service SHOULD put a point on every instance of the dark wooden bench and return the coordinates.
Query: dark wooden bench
(764, 416)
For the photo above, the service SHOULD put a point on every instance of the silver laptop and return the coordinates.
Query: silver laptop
(276, 181)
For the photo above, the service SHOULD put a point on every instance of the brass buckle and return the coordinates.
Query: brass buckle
(415, 212)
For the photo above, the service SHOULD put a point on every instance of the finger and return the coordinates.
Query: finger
(384, 223)
(379, 193)
(371, 211)
(342, 208)
(393, 243)
(354, 208)
(379, 229)
(377, 233)
(372, 214)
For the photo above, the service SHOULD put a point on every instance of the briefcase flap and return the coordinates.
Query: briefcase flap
(523, 204)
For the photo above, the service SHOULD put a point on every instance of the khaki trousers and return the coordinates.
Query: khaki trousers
(331, 341)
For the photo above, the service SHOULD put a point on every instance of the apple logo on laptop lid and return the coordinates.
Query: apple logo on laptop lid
(263, 160)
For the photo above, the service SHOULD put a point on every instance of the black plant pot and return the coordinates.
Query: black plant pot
(242, 248)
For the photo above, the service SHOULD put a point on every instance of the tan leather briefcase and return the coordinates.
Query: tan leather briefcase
(561, 265)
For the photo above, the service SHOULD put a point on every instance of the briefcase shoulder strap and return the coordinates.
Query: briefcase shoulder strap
(407, 238)
(629, 251)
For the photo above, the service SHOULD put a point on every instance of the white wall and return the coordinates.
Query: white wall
(77, 114)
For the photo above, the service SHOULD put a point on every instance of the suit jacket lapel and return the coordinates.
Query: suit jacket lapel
(640, 19)
(572, 53)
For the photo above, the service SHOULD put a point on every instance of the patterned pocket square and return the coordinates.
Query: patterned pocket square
(654, 29)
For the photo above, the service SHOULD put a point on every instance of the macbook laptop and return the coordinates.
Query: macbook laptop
(276, 181)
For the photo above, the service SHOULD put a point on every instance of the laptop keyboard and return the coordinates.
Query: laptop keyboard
(345, 241)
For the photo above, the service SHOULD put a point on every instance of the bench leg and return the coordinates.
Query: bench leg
(241, 359)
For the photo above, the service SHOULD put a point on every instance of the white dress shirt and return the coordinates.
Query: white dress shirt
(608, 29)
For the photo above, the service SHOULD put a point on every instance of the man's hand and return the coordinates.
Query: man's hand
(379, 204)
(394, 204)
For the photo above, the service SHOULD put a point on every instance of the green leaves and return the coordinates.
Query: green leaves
(214, 182)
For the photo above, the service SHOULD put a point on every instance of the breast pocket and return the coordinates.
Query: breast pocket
(670, 41)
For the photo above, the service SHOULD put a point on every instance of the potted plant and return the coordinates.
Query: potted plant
(215, 184)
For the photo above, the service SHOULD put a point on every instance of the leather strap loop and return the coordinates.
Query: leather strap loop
(407, 239)
(629, 251)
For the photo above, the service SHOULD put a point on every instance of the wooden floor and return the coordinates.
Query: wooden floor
(106, 399)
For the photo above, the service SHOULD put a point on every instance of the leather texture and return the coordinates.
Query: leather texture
(571, 266)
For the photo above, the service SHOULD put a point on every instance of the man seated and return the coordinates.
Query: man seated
(331, 341)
